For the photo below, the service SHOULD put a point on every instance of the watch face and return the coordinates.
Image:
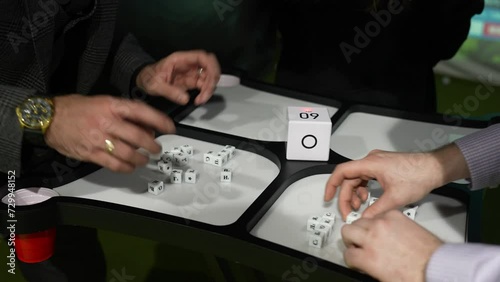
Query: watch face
(36, 112)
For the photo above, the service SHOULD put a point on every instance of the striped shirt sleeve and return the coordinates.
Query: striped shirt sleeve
(482, 154)
(464, 263)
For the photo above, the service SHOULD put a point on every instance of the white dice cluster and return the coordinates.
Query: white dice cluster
(319, 229)
(174, 160)
(220, 158)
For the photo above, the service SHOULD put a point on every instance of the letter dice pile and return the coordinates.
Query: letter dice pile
(172, 162)
(319, 228)
(410, 211)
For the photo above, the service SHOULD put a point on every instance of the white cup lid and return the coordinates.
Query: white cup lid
(30, 196)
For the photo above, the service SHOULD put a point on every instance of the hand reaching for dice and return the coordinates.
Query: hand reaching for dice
(81, 125)
(405, 178)
(172, 76)
(389, 239)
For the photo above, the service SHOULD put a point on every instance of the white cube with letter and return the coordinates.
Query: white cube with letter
(309, 132)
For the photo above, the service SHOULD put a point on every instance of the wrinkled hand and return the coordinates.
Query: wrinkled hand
(389, 247)
(405, 178)
(172, 76)
(81, 125)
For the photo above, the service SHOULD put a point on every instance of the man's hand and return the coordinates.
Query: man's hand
(389, 247)
(405, 178)
(172, 76)
(81, 125)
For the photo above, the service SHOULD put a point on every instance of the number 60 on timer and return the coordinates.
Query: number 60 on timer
(309, 132)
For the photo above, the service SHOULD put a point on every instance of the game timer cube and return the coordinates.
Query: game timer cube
(309, 132)
(155, 187)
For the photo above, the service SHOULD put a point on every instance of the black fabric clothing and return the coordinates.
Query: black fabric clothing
(391, 50)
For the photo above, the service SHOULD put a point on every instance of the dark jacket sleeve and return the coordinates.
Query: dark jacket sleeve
(11, 133)
(129, 58)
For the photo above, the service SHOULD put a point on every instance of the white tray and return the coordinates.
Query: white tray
(360, 133)
(246, 112)
(285, 222)
(208, 201)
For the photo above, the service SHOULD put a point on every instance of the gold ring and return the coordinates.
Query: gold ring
(200, 71)
(110, 147)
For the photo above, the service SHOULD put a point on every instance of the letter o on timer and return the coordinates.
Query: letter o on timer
(309, 132)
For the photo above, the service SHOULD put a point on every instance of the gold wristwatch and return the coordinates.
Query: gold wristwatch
(35, 115)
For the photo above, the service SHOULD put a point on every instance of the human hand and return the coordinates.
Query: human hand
(405, 178)
(389, 247)
(81, 125)
(172, 76)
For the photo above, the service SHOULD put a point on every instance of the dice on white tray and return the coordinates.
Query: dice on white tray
(167, 156)
(219, 159)
(225, 154)
(317, 239)
(352, 217)
(312, 223)
(191, 176)
(155, 187)
(208, 157)
(410, 211)
(187, 150)
(181, 159)
(309, 132)
(176, 176)
(329, 215)
(226, 175)
(319, 229)
(231, 150)
(165, 167)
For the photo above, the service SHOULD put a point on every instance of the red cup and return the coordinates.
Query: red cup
(38, 246)
(35, 247)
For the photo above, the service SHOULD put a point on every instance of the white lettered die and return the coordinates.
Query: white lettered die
(317, 239)
(219, 160)
(226, 175)
(180, 159)
(165, 167)
(328, 222)
(176, 149)
(372, 201)
(167, 156)
(410, 211)
(231, 150)
(190, 176)
(320, 233)
(309, 131)
(312, 223)
(225, 154)
(329, 215)
(327, 228)
(352, 217)
(208, 157)
(155, 187)
(176, 176)
(188, 150)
